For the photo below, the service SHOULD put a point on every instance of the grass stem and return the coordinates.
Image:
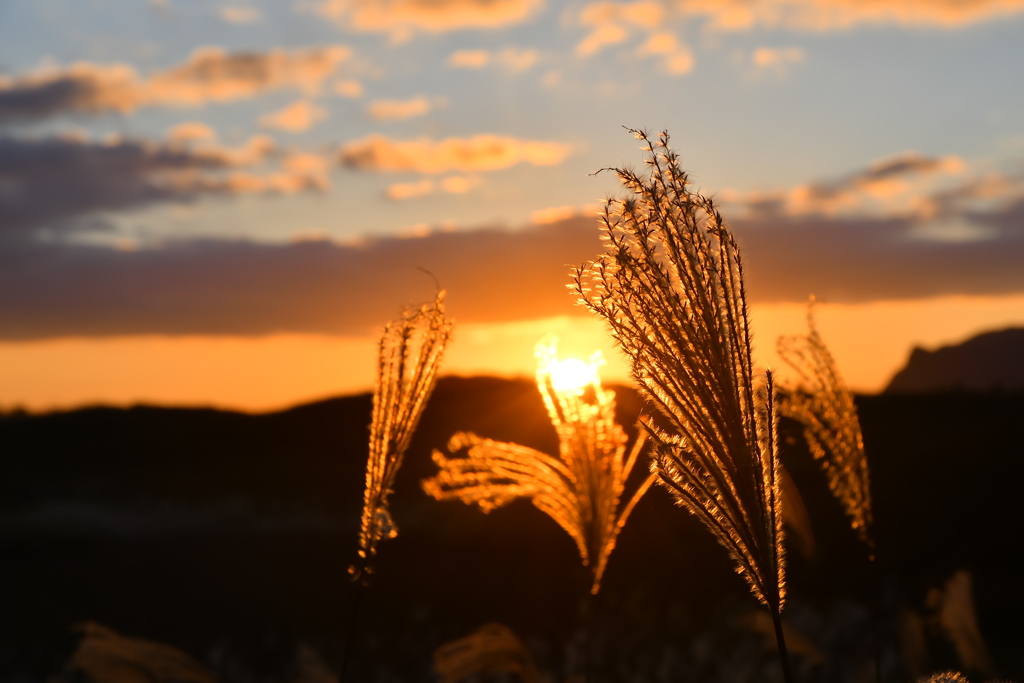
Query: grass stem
(780, 638)
(351, 618)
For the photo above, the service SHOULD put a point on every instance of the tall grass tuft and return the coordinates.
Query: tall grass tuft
(670, 286)
(823, 404)
(581, 489)
(409, 356)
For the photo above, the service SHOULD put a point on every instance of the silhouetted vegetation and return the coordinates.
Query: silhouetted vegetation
(228, 536)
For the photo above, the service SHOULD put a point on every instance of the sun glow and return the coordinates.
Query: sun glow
(570, 375)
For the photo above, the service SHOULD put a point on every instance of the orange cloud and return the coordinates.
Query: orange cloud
(898, 186)
(514, 59)
(390, 110)
(469, 59)
(420, 188)
(191, 131)
(555, 214)
(479, 153)
(311, 169)
(209, 75)
(240, 15)
(348, 88)
(831, 15)
(612, 23)
(776, 58)
(298, 116)
(459, 184)
(455, 184)
(435, 16)
(677, 58)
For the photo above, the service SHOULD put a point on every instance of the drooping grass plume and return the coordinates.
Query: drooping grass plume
(823, 404)
(957, 617)
(491, 650)
(945, 677)
(410, 353)
(670, 286)
(581, 489)
(105, 656)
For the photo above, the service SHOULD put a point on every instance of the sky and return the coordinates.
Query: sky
(222, 203)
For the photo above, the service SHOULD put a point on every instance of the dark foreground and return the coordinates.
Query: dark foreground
(228, 536)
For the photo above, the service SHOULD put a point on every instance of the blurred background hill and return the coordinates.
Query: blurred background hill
(228, 535)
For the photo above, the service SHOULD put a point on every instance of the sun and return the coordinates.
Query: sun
(571, 374)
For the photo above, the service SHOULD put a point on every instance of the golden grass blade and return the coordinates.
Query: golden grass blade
(580, 489)
(409, 357)
(824, 405)
(670, 286)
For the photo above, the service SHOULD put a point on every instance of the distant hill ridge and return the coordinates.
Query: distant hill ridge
(987, 362)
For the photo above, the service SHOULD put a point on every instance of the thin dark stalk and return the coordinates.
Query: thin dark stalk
(876, 600)
(351, 619)
(590, 622)
(780, 638)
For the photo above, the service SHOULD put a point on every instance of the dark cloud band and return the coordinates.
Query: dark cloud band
(243, 288)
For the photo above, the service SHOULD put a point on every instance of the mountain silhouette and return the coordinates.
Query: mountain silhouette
(993, 361)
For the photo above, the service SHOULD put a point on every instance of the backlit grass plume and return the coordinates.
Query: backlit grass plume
(409, 356)
(823, 404)
(581, 489)
(670, 286)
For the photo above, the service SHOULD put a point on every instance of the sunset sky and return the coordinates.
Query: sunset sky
(221, 203)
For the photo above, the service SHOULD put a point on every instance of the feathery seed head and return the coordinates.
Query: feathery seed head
(409, 357)
(670, 286)
(823, 404)
(581, 488)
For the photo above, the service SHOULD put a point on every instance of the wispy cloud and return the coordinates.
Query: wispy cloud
(191, 131)
(776, 59)
(419, 188)
(238, 14)
(209, 75)
(906, 185)
(348, 87)
(460, 184)
(834, 15)
(479, 153)
(391, 110)
(298, 116)
(469, 59)
(435, 16)
(677, 58)
(454, 184)
(513, 59)
(612, 23)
